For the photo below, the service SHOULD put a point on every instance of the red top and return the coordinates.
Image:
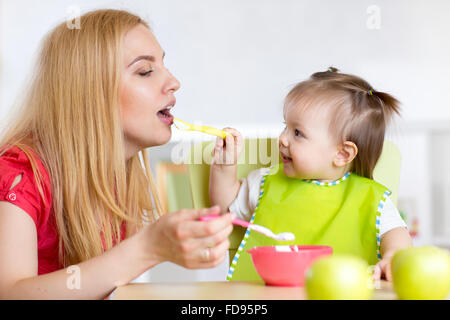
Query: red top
(26, 196)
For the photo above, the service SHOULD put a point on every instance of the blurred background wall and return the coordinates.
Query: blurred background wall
(236, 60)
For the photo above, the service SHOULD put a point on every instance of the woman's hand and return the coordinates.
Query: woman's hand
(227, 151)
(181, 238)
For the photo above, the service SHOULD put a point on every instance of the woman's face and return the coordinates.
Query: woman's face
(146, 92)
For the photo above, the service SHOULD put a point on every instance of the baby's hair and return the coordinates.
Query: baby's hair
(361, 113)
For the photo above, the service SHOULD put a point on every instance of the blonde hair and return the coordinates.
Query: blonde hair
(359, 113)
(70, 117)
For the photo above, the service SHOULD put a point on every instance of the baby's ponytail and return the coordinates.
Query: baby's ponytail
(371, 116)
(386, 102)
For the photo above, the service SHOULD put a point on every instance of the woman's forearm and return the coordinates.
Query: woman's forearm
(223, 186)
(95, 278)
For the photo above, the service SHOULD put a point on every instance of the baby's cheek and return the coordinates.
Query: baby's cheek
(302, 164)
(306, 169)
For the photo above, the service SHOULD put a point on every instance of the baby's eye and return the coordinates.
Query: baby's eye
(298, 133)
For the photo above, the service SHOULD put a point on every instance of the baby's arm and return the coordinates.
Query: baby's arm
(393, 240)
(223, 183)
(394, 236)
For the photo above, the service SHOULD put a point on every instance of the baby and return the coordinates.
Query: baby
(323, 191)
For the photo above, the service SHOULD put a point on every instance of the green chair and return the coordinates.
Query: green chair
(258, 153)
(387, 169)
(173, 185)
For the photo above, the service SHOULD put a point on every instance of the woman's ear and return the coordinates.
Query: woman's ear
(346, 153)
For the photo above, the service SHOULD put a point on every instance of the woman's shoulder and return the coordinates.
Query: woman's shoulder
(16, 159)
(18, 184)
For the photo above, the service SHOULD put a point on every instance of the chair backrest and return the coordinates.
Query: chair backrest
(387, 169)
(172, 184)
(258, 153)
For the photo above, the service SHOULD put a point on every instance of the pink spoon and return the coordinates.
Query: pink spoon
(284, 236)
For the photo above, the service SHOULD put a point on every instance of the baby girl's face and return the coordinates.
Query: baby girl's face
(306, 146)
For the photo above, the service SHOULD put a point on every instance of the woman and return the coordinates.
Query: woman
(72, 187)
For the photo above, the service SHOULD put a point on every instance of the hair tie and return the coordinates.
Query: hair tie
(330, 69)
(370, 93)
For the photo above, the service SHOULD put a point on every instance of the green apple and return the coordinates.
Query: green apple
(421, 273)
(339, 277)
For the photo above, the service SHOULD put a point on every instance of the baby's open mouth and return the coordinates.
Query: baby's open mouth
(285, 158)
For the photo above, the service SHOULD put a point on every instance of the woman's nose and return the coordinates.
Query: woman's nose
(172, 83)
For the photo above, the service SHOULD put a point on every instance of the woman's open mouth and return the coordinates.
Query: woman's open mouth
(165, 116)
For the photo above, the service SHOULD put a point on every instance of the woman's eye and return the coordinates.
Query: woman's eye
(145, 73)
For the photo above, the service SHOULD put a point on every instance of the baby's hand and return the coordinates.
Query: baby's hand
(383, 269)
(227, 151)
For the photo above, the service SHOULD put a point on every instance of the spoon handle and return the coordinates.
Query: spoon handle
(244, 224)
(205, 129)
(237, 222)
(265, 231)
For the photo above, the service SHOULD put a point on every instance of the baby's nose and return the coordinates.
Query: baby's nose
(283, 140)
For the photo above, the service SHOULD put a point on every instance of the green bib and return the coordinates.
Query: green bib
(343, 214)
